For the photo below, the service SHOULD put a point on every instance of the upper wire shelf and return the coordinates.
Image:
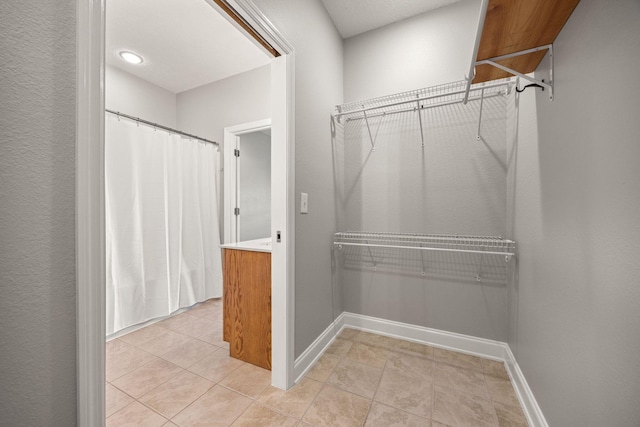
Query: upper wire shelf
(420, 100)
(434, 96)
(485, 245)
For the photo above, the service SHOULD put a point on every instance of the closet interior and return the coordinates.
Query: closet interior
(423, 180)
(424, 183)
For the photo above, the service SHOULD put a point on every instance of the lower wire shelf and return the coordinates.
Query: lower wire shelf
(485, 245)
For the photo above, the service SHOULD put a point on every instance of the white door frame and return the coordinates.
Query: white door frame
(231, 173)
(90, 229)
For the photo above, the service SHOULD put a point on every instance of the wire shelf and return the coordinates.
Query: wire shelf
(417, 101)
(450, 93)
(485, 245)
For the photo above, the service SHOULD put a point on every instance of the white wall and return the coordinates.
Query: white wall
(255, 186)
(206, 110)
(577, 198)
(426, 50)
(37, 214)
(131, 95)
(318, 87)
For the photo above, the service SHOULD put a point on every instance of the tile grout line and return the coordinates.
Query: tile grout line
(141, 403)
(493, 404)
(375, 392)
(190, 404)
(324, 383)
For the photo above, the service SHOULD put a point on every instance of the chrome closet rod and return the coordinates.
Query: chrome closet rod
(156, 125)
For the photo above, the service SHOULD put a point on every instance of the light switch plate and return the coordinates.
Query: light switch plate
(304, 203)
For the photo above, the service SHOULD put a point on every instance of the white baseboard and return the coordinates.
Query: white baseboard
(527, 399)
(306, 360)
(447, 340)
(488, 349)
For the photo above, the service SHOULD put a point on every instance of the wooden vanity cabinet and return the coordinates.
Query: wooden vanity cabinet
(247, 305)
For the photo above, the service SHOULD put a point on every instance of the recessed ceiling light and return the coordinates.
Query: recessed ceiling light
(131, 57)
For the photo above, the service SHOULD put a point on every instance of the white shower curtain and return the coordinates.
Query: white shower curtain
(162, 233)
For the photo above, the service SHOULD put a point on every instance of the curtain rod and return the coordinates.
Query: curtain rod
(156, 125)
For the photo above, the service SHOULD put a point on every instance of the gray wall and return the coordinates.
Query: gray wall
(136, 97)
(37, 206)
(454, 185)
(576, 204)
(318, 87)
(255, 186)
(575, 213)
(426, 50)
(206, 110)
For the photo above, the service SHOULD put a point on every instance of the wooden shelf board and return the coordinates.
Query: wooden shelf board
(515, 25)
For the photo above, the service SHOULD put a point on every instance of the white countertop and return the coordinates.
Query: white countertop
(257, 245)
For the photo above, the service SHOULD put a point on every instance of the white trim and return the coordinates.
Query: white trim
(282, 186)
(305, 361)
(90, 258)
(532, 410)
(282, 223)
(231, 173)
(259, 22)
(448, 340)
(481, 347)
(249, 127)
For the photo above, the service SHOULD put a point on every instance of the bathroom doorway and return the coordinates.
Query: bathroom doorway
(167, 111)
(247, 184)
(91, 196)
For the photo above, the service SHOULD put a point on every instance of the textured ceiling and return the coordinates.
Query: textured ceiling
(185, 43)
(353, 17)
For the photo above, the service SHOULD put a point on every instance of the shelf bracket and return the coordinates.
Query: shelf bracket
(478, 137)
(479, 274)
(493, 62)
(424, 272)
(366, 120)
(339, 114)
(373, 261)
(420, 120)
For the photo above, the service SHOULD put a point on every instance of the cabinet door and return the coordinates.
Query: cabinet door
(247, 306)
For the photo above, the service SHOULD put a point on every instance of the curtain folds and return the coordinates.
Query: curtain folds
(162, 233)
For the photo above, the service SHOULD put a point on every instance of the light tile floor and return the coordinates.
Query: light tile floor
(178, 373)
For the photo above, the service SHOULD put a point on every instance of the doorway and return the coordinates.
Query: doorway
(247, 184)
(90, 204)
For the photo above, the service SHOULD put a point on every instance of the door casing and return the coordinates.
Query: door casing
(90, 204)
